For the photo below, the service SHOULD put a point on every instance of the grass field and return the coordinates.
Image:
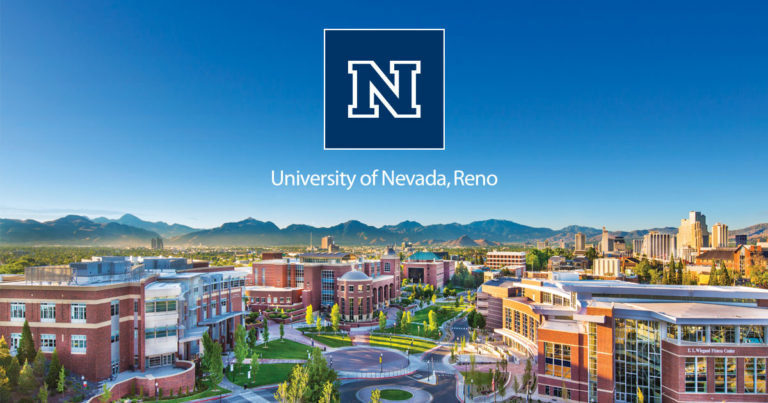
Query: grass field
(395, 394)
(287, 349)
(201, 395)
(267, 374)
(402, 343)
(331, 340)
(417, 322)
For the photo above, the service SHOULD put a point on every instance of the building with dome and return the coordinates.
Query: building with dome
(359, 286)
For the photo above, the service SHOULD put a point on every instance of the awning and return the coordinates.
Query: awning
(195, 333)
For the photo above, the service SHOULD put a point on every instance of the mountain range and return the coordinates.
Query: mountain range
(130, 230)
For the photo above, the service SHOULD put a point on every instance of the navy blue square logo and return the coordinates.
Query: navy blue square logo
(384, 89)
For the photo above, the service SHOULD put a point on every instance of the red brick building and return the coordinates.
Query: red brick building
(318, 279)
(112, 314)
(608, 340)
(428, 268)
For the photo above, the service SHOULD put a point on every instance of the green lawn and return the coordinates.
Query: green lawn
(395, 394)
(481, 378)
(402, 343)
(201, 395)
(417, 328)
(331, 340)
(267, 374)
(287, 349)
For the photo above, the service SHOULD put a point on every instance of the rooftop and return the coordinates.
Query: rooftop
(423, 256)
(354, 276)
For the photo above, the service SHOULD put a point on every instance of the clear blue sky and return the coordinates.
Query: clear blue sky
(623, 115)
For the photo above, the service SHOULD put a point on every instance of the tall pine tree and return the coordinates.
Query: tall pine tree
(26, 351)
(53, 371)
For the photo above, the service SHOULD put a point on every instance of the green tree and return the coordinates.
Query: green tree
(241, 346)
(254, 364)
(26, 351)
(5, 386)
(282, 332)
(432, 322)
(434, 299)
(376, 396)
(265, 333)
(473, 336)
(5, 353)
(327, 395)
(291, 391)
(53, 370)
(335, 317)
(106, 394)
(591, 254)
(211, 361)
(714, 275)
(42, 394)
(61, 383)
(318, 374)
(528, 384)
(308, 316)
(253, 338)
(318, 325)
(382, 321)
(27, 380)
(13, 372)
(38, 365)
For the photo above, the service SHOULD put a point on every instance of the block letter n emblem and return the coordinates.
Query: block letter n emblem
(371, 88)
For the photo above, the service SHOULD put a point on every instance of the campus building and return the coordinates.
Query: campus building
(428, 268)
(323, 279)
(612, 341)
(742, 259)
(112, 314)
(497, 260)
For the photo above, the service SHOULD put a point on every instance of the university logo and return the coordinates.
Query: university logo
(384, 89)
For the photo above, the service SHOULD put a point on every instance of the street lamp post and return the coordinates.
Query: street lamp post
(381, 363)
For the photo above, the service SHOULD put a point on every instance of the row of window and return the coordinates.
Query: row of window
(48, 312)
(557, 392)
(725, 375)
(274, 300)
(233, 283)
(717, 333)
(48, 343)
(521, 323)
(557, 358)
(160, 305)
(158, 332)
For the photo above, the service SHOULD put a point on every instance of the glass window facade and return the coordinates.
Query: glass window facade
(557, 360)
(725, 375)
(328, 288)
(18, 311)
(696, 374)
(592, 351)
(752, 334)
(754, 375)
(47, 342)
(637, 360)
(78, 344)
(300, 276)
(722, 334)
(47, 312)
(694, 334)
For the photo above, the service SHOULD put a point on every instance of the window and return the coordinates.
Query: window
(517, 321)
(754, 375)
(696, 374)
(672, 331)
(546, 298)
(752, 334)
(359, 288)
(77, 313)
(557, 359)
(725, 375)
(351, 288)
(386, 267)
(18, 311)
(694, 334)
(135, 306)
(722, 334)
(47, 342)
(78, 344)
(15, 340)
(47, 312)
(114, 308)
(115, 337)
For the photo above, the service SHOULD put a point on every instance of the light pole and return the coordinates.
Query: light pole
(381, 363)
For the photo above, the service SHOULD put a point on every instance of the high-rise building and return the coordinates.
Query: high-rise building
(741, 239)
(657, 246)
(327, 244)
(719, 235)
(157, 243)
(581, 241)
(692, 234)
(606, 242)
